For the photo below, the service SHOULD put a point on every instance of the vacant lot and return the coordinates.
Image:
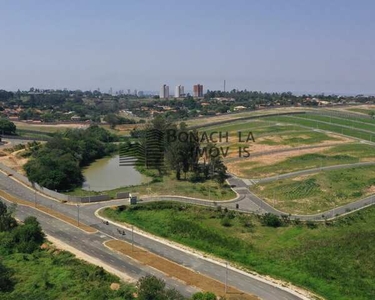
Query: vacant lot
(269, 165)
(335, 260)
(318, 192)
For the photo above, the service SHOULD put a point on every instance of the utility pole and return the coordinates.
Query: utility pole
(34, 197)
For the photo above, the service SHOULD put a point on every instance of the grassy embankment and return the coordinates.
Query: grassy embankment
(335, 260)
(168, 185)
(318, 192)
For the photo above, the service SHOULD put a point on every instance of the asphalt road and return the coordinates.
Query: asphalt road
(92, 244)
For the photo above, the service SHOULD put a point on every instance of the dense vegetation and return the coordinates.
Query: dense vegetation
(57, 165)
(334, 259)
(319, 192)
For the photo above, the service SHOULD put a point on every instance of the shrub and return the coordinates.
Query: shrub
(204, 296)
(226, 222)
(271, 220)
(311, 225)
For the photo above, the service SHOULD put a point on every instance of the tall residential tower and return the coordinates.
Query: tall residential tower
(164, 92)
(179, 91)
(198, 90)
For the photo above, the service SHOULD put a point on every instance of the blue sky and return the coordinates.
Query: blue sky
(290, 45)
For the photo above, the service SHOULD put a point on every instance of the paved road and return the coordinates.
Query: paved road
(92, 244)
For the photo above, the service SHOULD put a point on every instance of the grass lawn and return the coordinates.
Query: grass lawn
(54, 274)
(318, 192)
(337, 155)
(336, 260)
(168, 185)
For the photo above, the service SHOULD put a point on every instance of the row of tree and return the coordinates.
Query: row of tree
(164, 146)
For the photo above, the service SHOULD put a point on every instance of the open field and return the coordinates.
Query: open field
(270, 165)
(334, 260)
(209, 190)
(48, 128)
(318, 192)
(362, 110)
(337, 128)
(205, 121)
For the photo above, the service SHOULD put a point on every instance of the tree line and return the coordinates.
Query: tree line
(57, 165)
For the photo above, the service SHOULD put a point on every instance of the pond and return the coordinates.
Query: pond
(107, 174)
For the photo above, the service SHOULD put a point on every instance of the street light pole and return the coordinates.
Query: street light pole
(132, 238)
(89, 194)
(34, 197)
(78, 214)
(226, 277)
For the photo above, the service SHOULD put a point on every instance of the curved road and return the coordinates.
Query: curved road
(92, 244)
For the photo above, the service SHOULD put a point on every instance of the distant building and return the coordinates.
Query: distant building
(128, 91)
(179, 91)
(164, 92)
(240, 107)
(76, 118)
(198, 90)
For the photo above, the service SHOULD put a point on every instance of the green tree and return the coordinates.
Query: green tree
(112, 120)
(6, 283)
(7, 127)
(150, 288)
(29, 237)
(7, 222)
(153, 288)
